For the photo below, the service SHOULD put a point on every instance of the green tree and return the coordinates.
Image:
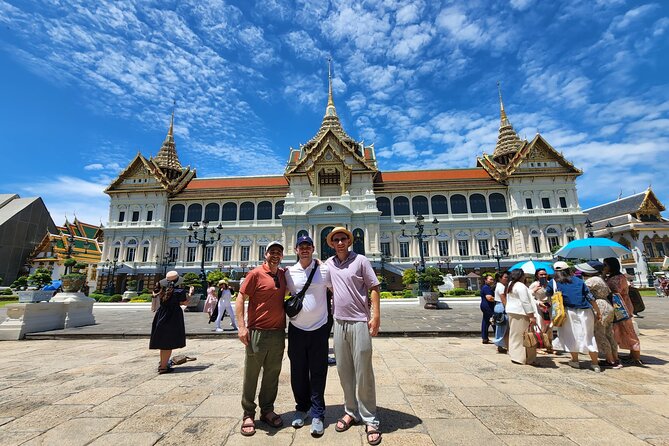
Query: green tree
(20, 282)
(215, 276)
(192, 280)
(40, 277)
(431, 278)
(409, 277)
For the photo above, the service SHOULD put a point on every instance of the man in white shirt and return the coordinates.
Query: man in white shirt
(308, 334)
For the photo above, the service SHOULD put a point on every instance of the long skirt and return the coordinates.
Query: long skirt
(577, 334)
(518, 324)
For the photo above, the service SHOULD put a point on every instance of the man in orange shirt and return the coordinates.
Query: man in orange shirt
(264, 337)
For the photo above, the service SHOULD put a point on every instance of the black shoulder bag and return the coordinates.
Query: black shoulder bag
(293, 305)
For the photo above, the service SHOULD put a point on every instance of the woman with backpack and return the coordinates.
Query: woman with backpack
(577, 332)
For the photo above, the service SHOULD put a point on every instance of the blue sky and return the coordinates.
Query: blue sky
(85, 85)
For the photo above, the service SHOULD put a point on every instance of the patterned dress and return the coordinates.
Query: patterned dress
(624, 331)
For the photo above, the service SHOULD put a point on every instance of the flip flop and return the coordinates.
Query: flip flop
(369, 430)
(162, 371)
(272, 421)
(247, 425)
(346, 424)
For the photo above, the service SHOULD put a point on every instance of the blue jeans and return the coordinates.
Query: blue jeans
(501, 329)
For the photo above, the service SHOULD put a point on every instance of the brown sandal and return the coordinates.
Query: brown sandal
(272, 419)
(371, 430)
(245, 425)
(345, 424)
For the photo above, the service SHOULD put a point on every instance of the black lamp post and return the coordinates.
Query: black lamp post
(447, 260)
(609, 229)
(498, 254)
(649, 275)
(416, 264)
(588, 228)
(243, 265)
(420, 236)
(165, 262)
(112, 265)
(203, 241)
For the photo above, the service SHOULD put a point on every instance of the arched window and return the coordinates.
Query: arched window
(401, 205)
(264, 210)
(477, 204)
(359, 241)
(383, 204)
(458, 204)
(211, 212)
(497, 202)
(278, 209)
(419, 204)
(194, 213)
(439, 204)
(229, 211)
(177, 213)
(246, 211)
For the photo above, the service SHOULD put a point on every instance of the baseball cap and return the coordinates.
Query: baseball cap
(274, 243)
(304, 239)
(560, 266)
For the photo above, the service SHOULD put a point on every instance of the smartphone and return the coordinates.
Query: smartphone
(543, 281)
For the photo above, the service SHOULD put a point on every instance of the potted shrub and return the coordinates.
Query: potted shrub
(429, 281)
(72, 282)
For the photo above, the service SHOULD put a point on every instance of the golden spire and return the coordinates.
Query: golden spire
(330, 109)
(502, 113)
(167, 157)
(508, 141)
(170, 132)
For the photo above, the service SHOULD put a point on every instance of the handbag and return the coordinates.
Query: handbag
(532, 337)
(558, 314)
(293, 305)
(619, 311)
(637, 301)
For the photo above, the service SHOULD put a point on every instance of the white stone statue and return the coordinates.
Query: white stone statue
(448, 283)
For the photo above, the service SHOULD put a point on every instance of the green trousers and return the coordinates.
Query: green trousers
(264, 352)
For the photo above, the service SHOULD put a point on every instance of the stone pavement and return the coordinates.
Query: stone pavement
(431, 391)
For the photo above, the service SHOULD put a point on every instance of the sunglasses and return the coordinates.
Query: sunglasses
(277, 284)
(337, 240)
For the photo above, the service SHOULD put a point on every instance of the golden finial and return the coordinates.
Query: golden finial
(501, 103)
(170, 132)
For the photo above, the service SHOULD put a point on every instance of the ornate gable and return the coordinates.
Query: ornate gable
(539, 157)
(146, 175)
(650, 204)
(331, 156)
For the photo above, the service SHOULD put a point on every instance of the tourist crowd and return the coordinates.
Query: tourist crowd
(589, 307)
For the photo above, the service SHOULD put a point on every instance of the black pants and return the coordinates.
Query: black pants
(308, 353)
(488, 308)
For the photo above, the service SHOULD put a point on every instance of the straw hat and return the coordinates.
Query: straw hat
(338, 230)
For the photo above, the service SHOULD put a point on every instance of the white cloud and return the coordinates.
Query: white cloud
(521, 5)
(94, 166)
(304, 46)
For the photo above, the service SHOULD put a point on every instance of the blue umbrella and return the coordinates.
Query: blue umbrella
(592, 248)
(54, 285)
(531, 266)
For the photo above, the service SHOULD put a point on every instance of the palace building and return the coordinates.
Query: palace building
(519, 202)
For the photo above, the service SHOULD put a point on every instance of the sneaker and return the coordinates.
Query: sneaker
(218, 330)
(332, 360)
(574, 364)
(595, 368)
(316, 427)
(298, 419)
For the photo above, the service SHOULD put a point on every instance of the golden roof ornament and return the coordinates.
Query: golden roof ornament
(167, 158)
(508, 141)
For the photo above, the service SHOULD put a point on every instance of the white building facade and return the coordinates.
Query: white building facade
(518, 203)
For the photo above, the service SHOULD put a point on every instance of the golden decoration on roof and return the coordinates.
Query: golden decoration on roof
(508, 141)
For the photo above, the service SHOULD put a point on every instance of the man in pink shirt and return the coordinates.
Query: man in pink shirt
(355, 324)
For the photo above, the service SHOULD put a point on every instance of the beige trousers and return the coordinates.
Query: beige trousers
(517, 326)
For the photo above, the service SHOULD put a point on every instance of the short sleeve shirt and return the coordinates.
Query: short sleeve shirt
(314, 313)
(499, 290)
(265, 311)
(351, 281)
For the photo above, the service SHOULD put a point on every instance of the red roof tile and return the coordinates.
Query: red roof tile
(432, 175)
(222, 183)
